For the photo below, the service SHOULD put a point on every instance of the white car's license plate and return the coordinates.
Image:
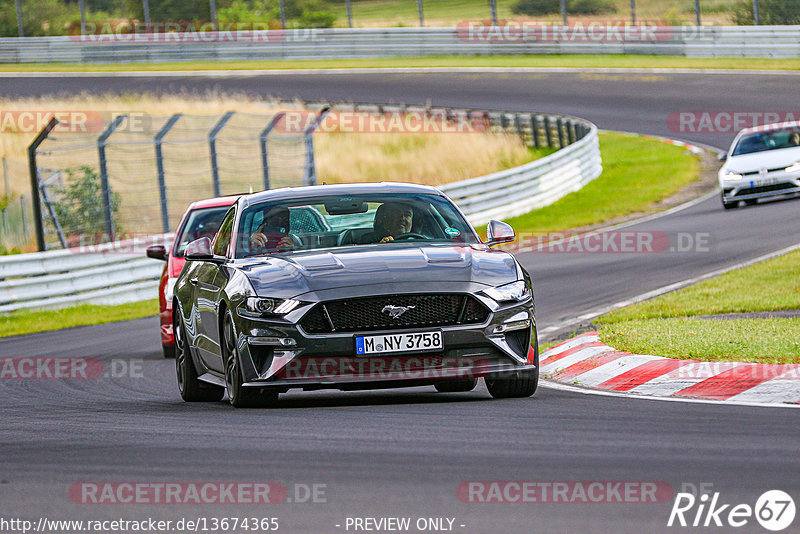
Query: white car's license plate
(401, 342)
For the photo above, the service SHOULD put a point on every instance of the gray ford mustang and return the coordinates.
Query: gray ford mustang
(354, 286)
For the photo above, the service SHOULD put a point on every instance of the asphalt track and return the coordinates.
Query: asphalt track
(390, 453)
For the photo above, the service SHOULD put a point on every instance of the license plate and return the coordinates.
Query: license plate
(766, 181)
(404, 342)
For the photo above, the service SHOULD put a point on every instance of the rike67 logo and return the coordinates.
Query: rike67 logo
(774, 510)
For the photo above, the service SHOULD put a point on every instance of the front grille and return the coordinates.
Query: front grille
(764, 189)
(366, 314)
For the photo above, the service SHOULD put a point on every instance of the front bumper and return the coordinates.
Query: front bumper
(280, 354)
(776, 183)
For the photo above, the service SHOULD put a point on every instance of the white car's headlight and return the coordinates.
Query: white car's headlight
(267, 306)
(513, 291)
(794, 167)
(169, 290)
(728, 175)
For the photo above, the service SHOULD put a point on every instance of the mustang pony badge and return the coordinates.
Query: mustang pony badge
(396, 311)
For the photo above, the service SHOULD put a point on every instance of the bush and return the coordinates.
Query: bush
(769, 12)
(299, 13)
(80, 204)
(552, 7)
(44, 17)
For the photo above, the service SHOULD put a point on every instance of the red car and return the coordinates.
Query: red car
(202, 219)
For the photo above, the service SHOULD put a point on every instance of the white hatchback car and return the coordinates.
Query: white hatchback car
(762, 162)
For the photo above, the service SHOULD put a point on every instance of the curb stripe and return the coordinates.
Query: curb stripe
(589, 364)
(644, 373)
(560, 355)
(728, 383)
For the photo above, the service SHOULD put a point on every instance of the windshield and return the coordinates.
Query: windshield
(352, 220)
(763, 141)
(201, 223)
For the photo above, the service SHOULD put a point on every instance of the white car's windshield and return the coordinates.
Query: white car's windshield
(352, 220)
(771, 140)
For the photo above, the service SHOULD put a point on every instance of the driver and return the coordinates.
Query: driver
(391, 220)
(273, 233)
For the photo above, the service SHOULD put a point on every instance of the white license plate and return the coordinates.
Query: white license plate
(765, 181)
(401, 342)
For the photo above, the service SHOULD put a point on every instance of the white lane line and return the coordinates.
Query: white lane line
(549, 384)
(391, 70)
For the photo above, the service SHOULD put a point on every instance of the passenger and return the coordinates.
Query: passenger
(794, 139)
(273, 233)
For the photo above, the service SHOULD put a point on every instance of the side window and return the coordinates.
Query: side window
(223, 238)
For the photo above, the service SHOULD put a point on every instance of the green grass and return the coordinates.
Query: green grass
(637, 172)
(570, 61)
(666, 326)
(766, 286)
(686, 338)
(28, 322)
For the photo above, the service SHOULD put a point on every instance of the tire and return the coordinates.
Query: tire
(456, 386)
(729, 205)
(238, 395)
(191, 389)
(169, 351)
(751, 202)
(516, 385)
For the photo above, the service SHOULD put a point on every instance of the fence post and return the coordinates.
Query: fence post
(560, 126)
(282, 10)
(697, 11)
(310, 169)
(212, 147)
(755, 12)
(349, 14)
(421, 15)
(534, 130)
(18, 7)
(146, 10)
(263, 142)
(24, 216)
(633, 12)
(570, 131)
(106, 189)
(493, 7)
(34, 173)
(564, 11)
(5, 176)
(82, 8)
(162, 180)
(547, 131)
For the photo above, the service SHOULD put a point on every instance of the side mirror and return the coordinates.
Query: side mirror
(722, 156)
(157, 252)
(498, 232)
(199, 250)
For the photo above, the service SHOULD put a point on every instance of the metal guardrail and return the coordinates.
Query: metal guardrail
(691, 41)
(118, 272)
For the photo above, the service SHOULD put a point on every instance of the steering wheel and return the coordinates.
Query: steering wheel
(410, 235)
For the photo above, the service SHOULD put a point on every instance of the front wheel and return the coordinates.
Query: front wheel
(191, 389)
(517, 384)
(238, 395)
(729, 205)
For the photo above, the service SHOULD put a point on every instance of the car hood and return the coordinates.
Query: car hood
(292, 275)
(771, 159)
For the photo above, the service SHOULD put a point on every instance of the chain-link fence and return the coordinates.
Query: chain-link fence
(136, 174)
(16, 225)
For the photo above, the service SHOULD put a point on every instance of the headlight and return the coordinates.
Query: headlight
(794, 167)
(513, 291)
(267, 306)
(731, 176)
(169, 290)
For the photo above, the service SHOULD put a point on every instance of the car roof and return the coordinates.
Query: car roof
(771, 127)
(214, 202)
(340, 189)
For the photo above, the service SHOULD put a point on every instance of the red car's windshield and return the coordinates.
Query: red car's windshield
(202, 222)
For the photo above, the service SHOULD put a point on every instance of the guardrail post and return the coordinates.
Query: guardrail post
(34, 173)
(547, 131)
(105, 188)
(534, 130)
(263, 142)
(310, 169)
(570, 131)
(560, 126)
(162, 181)
(518, 127)
(212, 148)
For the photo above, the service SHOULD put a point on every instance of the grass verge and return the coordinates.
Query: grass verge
(637, 172)
(612, 61)
(667, 326)
(28, 322)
